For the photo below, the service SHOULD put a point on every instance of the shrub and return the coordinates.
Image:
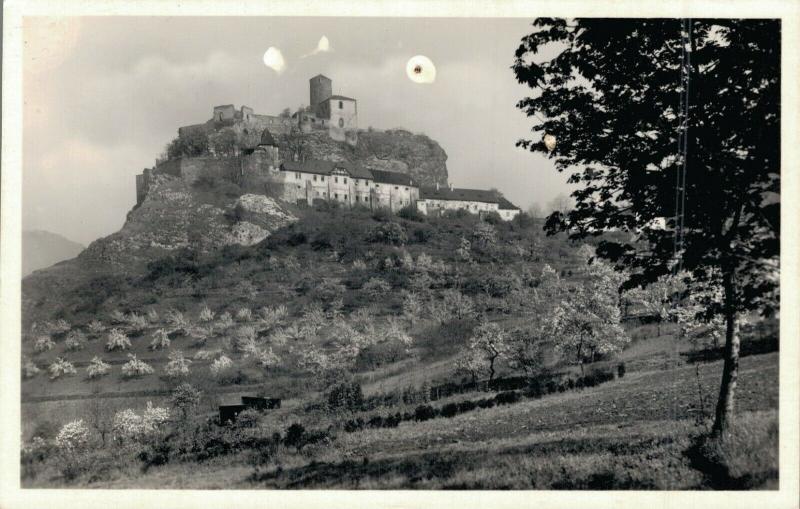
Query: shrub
(620, 370)
(346, 395)
(273, 316)
(97, 368)
(486, 403)
(117, 317)
(29, 369)
(388, 233)
(135, 368)
(128, 426)
(508, 397)
(117, 340)
(76, 340)
(73, 436)
(43, 343)
(152, 316)
(424, 413)
(411, 213)
(449, 410)
(294, 435)
(205, 355)
(160, 340)
(248, 418)
(61, 367)
(376, 288)
(466, 406)
(186, 399)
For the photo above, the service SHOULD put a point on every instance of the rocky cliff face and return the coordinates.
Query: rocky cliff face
(174, 216)
(393, 150)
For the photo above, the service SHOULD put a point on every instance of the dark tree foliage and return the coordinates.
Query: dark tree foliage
(611, 96)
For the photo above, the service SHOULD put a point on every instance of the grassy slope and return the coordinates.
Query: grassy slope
(630, 433)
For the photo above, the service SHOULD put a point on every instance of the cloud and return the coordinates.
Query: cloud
(323, 46)
(273, 58)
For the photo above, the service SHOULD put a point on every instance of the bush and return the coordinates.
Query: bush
(424, 413)
(346, 395)
(508, 397)
(621, 370)
(43, 343)
(248, 418)
(466, 406)
(411, 213)
(388, 233)
(449, 410)
(160, 340)
(486, 403)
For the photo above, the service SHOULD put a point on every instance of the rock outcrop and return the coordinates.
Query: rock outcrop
(174, 216)
(392, 150)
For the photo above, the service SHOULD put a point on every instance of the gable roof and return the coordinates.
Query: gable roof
(392, 177)
(339, 97)
(320, 167)
(458, 194)
(506, 205)
(320, 76)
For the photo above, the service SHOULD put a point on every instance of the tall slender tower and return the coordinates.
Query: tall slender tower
(321, 88)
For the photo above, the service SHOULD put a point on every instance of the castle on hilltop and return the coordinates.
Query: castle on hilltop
(336, 114)
(240, 146)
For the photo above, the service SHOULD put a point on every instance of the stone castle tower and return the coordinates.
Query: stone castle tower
(321, 88)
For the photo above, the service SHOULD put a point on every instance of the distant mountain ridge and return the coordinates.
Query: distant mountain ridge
(42, 249)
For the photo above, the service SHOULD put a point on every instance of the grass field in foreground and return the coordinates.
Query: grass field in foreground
(639, 432)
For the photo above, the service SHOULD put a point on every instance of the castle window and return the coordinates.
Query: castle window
(297, 176)
(315, 178)
(336, 179)
(345, 180)
(340, 105)
(336, 195)
(377, 186)
(345, 197)
(406, 189)
(341, 122)
(396, 188)
(322, 178)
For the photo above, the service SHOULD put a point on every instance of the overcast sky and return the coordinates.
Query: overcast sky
(103, 96)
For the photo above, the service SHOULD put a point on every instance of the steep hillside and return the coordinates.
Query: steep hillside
(173, 216)
(42, 249)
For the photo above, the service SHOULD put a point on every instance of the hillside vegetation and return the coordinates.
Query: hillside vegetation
(373, 329)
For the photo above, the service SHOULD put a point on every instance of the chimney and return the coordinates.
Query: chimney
(451, 187)
(437, 186)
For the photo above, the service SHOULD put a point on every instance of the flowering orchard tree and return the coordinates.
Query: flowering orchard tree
(76, 340)
(97, 368)
(489, 344)
(117, 340)
(206, 315)
(178, 365)
(412, 307)
(29, 368)
(43, 343)
(73, 437)
(587, 320)
(61, 367)
(135, 368)
(160, 340)
(222, 368)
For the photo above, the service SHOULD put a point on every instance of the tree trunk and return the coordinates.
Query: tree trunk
(730, 370)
